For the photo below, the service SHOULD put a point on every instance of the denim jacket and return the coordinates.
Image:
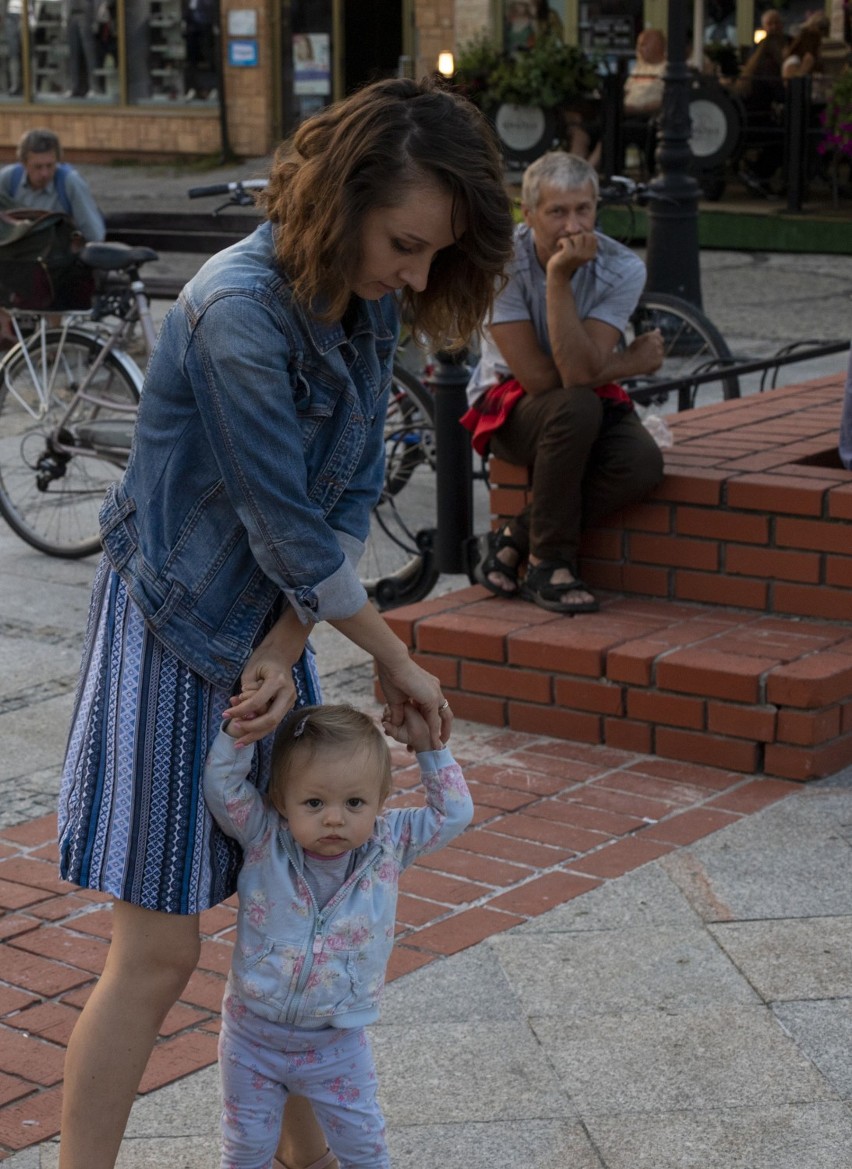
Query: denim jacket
(257, 458)
(294, 962)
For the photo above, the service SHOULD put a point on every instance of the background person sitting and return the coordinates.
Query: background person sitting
(643, 89)
(803, 57)
(643, 95)
(545, 392)
(760, 88)
(40, 180)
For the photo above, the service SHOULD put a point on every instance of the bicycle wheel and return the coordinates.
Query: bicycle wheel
(56, 461)
(693, 346)
(397, 566)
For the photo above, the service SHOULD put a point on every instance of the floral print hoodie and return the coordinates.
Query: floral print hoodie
(297, 963)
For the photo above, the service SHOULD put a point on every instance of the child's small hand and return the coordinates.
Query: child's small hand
(237, 727)
(414, 732)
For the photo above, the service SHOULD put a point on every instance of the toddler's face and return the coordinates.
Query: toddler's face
(331, 800)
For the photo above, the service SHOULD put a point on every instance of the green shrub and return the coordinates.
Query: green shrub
(549, 74)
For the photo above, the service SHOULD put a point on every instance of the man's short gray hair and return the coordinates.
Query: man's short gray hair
(38, 142)
(564, 171)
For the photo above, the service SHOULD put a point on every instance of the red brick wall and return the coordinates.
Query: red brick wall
(751, 513)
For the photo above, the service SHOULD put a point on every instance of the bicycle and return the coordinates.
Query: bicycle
(68, 401)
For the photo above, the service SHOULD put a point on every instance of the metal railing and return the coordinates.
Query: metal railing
(799, 351)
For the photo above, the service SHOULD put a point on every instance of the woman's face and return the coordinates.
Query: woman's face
(398, 244)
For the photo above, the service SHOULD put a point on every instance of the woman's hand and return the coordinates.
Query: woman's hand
(267, 690)
(404, 682)
(401, 679)
(414, 733)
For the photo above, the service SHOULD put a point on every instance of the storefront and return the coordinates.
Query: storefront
(167, 78)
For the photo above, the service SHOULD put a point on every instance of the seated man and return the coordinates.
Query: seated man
(40, 180)
(545, 379)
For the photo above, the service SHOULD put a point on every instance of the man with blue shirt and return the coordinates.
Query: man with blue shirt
(549, 372)
(39, 179)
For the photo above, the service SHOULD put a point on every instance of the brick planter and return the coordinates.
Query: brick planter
(728, 637)
(754, 510)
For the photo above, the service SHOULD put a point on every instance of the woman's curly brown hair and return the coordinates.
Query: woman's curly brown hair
(367, 152)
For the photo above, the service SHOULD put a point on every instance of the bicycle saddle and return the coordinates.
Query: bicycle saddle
(114, 255)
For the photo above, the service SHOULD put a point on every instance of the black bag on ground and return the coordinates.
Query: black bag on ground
(40, 266)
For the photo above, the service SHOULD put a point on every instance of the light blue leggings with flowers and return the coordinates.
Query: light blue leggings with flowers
(261, 1062)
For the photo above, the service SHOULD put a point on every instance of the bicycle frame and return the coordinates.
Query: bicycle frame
(43, 372)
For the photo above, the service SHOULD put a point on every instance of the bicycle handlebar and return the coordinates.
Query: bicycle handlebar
(227, 188)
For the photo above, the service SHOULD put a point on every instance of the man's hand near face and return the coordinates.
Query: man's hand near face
(572, 252)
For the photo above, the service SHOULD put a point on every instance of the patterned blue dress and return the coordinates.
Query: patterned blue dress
(132, 818)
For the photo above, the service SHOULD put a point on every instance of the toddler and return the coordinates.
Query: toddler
(315, 929)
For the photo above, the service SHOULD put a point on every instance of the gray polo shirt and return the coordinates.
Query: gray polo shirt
(607, 289)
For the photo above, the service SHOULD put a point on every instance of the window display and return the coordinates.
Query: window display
(171, 51)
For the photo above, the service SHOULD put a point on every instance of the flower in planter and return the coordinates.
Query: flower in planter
(836, 118)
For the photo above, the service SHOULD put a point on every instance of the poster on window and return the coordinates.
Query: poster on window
(527, 20)
(311, 63)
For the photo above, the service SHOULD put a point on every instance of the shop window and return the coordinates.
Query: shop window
(73, 51)
(310, 77)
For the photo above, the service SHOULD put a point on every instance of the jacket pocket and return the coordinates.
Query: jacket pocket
(335, 984)
(270, 973)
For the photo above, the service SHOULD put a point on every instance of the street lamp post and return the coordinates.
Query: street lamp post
(672, 252)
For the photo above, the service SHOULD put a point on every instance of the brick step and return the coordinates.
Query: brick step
(754, 510)
(726, 687)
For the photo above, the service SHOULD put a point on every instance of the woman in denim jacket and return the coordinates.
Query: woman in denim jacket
(257, 458)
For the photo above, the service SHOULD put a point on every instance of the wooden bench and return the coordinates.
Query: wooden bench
(725, 634)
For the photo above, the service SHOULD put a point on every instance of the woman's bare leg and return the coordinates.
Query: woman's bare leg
(150, 959)
(302, 1140)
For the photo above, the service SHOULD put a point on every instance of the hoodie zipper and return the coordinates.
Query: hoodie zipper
(321, 916)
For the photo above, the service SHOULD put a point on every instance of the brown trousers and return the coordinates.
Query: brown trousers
(587, 461)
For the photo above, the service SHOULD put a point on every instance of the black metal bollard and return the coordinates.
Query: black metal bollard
(612, 116)
(454, 473)
(672, 256)
(797, 113)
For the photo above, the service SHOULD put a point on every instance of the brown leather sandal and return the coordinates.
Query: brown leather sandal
(539, 588)
(488, 562)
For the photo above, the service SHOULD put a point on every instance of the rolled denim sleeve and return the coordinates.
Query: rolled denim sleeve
(247, 400)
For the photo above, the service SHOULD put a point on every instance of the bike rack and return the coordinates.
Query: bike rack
(739, 368)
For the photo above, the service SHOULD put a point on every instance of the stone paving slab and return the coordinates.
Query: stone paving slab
(649, 1061)
(797, 1136)
(792, 958)
(823, 1031)
(668, 968)
(778, 867)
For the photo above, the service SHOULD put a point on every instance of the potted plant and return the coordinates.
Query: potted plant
(548, 75)
(536, 96)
